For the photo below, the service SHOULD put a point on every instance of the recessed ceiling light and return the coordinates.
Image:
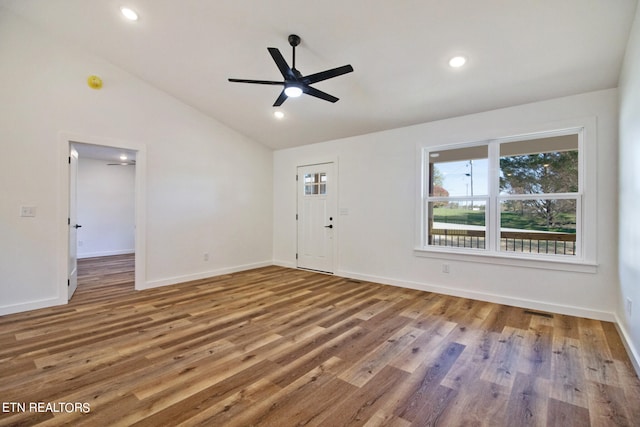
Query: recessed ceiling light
(457, 61)
(123, 157)
(129, 13)
(278, 114)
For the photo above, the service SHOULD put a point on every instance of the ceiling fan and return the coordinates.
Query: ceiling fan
(295, 84)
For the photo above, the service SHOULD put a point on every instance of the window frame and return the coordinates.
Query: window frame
(585, 203)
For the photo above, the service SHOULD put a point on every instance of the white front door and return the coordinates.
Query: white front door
(316, 217)
(72, 221)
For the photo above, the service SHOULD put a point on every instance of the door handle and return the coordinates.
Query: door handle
(328, 226)
(77, 226)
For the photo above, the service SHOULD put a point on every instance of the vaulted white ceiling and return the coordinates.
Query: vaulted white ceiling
(518, 52)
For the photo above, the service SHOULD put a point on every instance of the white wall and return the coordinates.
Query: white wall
(377, 181)
(106, 208)
(630, 192)
(208, 188)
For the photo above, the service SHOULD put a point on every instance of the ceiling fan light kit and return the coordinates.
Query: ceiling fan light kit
(295, 84)
(293, 91)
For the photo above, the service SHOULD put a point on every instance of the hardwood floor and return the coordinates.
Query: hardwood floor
(282, 347)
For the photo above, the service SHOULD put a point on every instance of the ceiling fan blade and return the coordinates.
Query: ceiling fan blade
(284, 68)
(281, 99)
(260, 82)
(319, 94)
(324, 75)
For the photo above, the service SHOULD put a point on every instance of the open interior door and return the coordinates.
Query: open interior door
(73, 221)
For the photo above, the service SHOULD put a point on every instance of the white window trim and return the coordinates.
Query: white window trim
(585, 258)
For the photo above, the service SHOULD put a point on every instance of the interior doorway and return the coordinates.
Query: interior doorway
(104, 220)
(103, 194)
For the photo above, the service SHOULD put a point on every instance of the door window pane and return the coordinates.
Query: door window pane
(315, 183)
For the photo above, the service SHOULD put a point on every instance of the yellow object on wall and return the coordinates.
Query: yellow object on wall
(94, 82)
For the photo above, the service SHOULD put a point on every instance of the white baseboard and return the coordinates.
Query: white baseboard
(31, 305)
(105, 253)
(285, 264)
(482, 296)
(632, 351)
(203, 275)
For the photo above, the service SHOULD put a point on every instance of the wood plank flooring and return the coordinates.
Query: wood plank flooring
(283, 347)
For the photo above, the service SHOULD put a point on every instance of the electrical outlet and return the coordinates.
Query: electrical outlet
(628, 306)
(445, 268)
(205, 256)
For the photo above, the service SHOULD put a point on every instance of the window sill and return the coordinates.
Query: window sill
(546, 263)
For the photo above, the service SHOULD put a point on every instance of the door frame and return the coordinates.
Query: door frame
(65, 140)
(336, 233)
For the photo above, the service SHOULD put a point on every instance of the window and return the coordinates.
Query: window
(539, 195)
(315, 183)
(457, 197)
(512, 197)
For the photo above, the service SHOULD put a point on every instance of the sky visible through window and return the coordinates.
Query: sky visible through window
(456, 177)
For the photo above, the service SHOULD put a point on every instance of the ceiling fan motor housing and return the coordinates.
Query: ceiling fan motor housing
(294, 40)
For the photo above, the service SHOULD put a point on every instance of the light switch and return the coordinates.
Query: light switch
(27, 211)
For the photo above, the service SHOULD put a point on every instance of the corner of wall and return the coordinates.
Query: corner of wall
(632, 351)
